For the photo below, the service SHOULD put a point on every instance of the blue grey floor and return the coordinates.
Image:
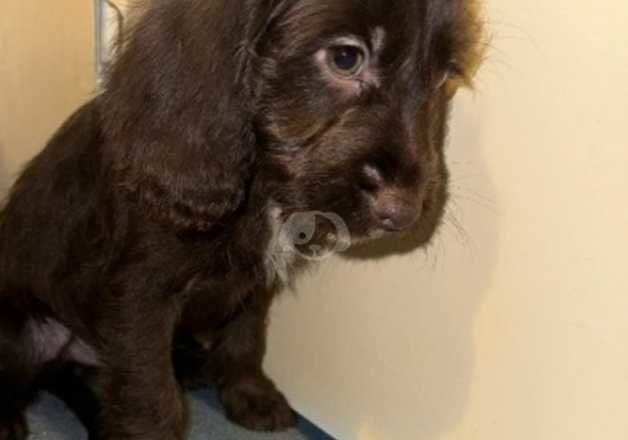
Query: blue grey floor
(51, 420)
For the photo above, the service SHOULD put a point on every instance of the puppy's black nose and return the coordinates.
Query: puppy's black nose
(395, 214)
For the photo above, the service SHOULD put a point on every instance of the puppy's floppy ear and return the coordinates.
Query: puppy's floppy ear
(178, 104)
(460, 41)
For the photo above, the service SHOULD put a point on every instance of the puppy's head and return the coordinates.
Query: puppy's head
(333, 105)
(353, 104)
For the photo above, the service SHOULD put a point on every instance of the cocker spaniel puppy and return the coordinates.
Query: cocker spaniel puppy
(145, 241)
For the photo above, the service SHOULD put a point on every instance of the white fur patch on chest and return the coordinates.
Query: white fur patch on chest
(278, 260)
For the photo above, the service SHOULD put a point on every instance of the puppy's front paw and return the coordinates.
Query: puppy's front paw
(257, 405)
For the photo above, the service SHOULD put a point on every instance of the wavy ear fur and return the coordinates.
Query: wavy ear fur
(178, 104)
(462, 43)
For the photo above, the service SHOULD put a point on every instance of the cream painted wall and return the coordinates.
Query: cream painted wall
(46, 71)
(513, 325)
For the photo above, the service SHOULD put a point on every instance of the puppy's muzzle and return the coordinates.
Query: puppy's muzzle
(393, 213)
(393, 209)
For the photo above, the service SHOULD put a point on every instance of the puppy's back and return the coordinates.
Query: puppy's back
(50, 212)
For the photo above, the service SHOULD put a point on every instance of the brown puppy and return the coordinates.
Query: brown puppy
(152, 226)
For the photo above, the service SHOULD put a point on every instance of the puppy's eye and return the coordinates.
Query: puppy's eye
(346, 60)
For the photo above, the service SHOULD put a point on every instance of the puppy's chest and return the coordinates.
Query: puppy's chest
(281, 263)
(209, 302)
(235, 276)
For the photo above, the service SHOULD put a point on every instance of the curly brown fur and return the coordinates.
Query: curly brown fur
(139, 242)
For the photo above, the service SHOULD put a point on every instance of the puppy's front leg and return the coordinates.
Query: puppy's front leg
(139, 394)
(249, 397)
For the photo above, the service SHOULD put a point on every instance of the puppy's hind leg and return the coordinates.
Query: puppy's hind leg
(18, 374)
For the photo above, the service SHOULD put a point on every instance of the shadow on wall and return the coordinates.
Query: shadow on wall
(4, 173)
(386, 334)
(445, 297)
